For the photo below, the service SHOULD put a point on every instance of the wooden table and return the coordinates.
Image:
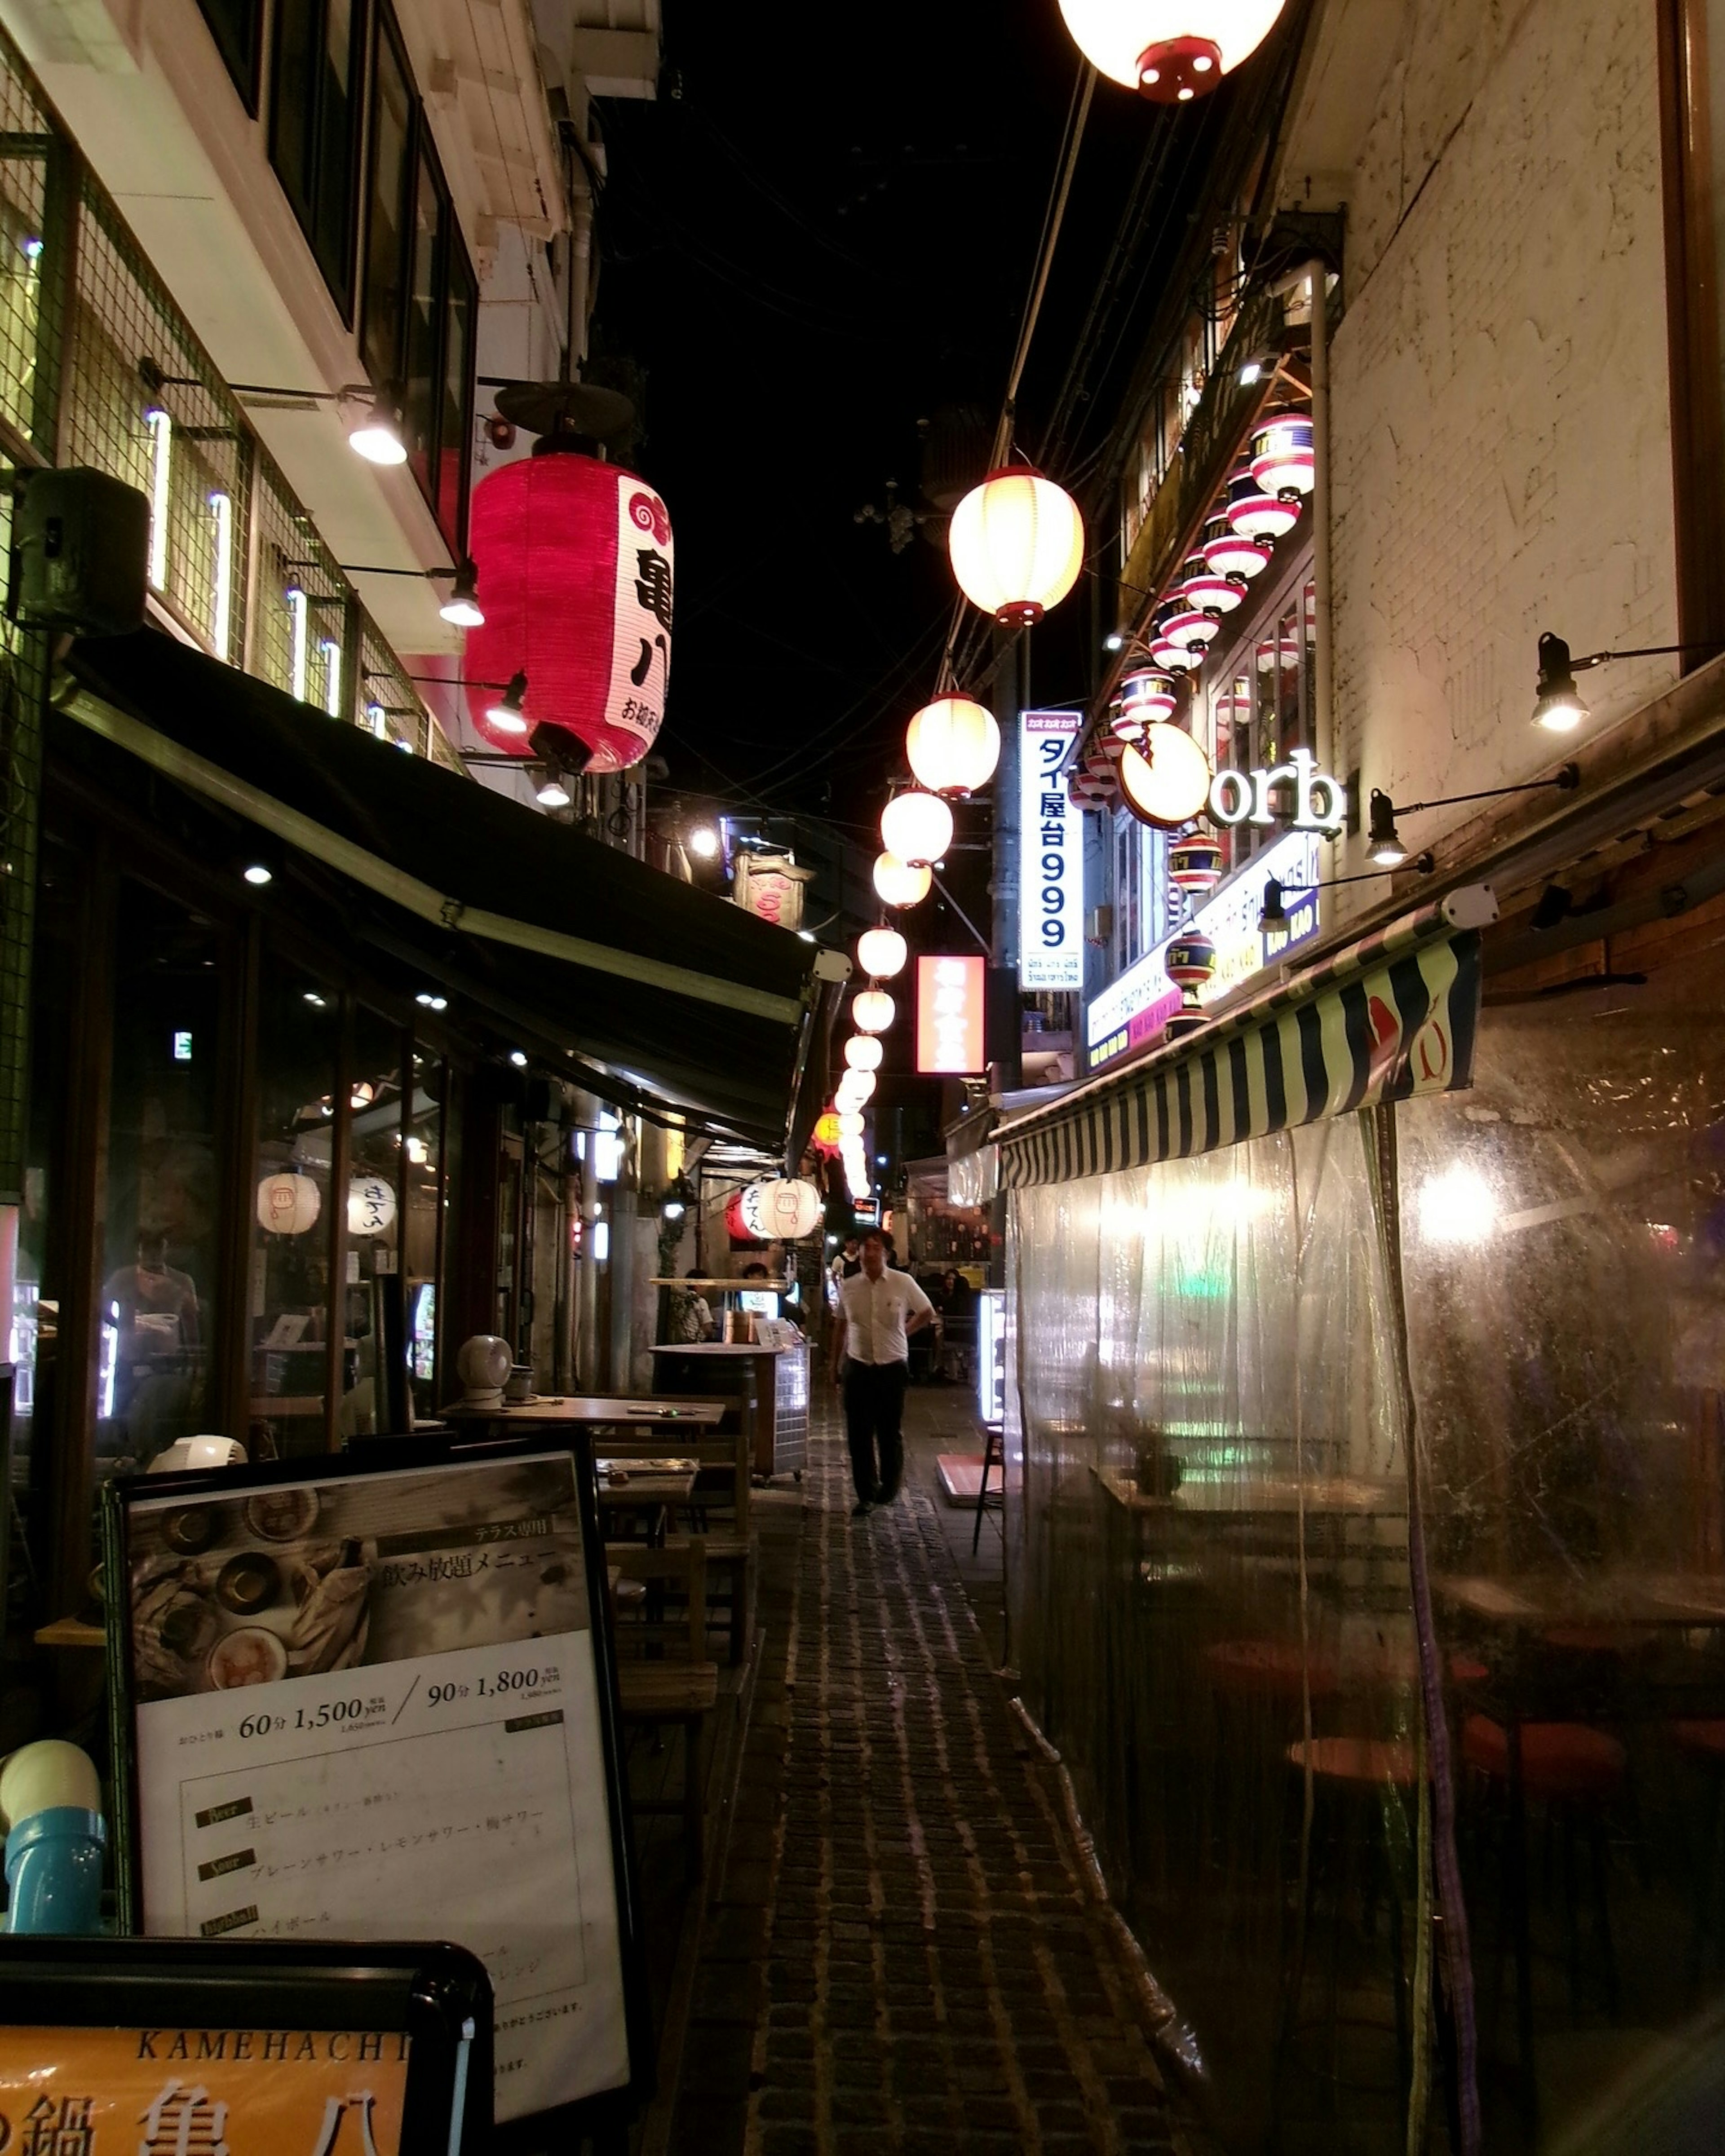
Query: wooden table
(1635, 1601)
(592, 1412)
(769, 1387)
(655, 1487)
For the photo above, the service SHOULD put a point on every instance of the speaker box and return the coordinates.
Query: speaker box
(81, 552)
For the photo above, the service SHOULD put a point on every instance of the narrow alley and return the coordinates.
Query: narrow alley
(904, 1949)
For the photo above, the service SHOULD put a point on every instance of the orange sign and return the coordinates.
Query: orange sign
(201, 2092)
(949, 1015)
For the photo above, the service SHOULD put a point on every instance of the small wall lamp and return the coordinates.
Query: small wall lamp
(1557, 702)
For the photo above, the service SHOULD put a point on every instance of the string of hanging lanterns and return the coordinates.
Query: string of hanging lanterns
(1169, 51)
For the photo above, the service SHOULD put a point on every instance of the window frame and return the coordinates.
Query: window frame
(246, 73)
(341, 282)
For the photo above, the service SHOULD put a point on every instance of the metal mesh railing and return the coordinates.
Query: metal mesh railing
(302, 599)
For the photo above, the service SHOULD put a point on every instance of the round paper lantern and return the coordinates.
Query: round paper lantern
(1167, 780)
(1283, 462)
(881, 953)
(1173, 654)
(827, 1132)
(371, 1205)
(1149, 692)
(1189, 959)
(575, 559)
(854, 1090)
(782, 1209)
(288, 1204)
(917, 827)
(1190, 627)
(863, 1052)
(873, 1011)
(850, 1124)
(736, 1226)
(1194, 864)
(1229, 552)
(1255, 515)
(953, 745)
(1016, 545)
(1086, 792)
(1206, 588)
(1169, 51)
(897, 883)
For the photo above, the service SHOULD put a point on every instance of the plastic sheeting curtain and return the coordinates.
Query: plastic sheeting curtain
(1211, 1609)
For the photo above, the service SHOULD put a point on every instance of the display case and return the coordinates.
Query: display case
(991, 1355)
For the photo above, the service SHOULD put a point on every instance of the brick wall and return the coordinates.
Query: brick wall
(1500, 434)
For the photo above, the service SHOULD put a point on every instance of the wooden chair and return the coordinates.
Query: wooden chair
(724, 1459)
(677, 1688)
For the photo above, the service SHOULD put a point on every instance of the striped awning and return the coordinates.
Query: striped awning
(1391, 1016)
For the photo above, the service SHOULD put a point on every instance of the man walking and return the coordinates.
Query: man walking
(881, 1309)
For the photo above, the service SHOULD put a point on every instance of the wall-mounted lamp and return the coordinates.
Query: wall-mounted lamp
(461, 609)
(1383, 842)
(1273, 917)
(505, 711)
(375, 433)
(1557, 702)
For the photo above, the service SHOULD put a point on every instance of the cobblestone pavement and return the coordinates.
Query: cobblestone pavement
(903, 1953)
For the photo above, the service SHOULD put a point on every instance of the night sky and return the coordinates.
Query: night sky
(806, 261)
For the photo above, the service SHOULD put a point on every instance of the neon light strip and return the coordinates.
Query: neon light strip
(297, 608)
(332, 675)
(221, 586)
(161, 430)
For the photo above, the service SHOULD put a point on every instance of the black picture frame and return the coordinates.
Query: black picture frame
(439, 1996)
(525, 2136)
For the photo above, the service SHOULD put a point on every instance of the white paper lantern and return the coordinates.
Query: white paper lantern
(782, 1208)
(873, 1011)
(371, 1205)
(1169, 51)
(850, 1125)
(917, 827)
(898, 884)
(288, 1204)
(953, 745)
(1016, 545)
(863, 1052)
(881, 953)
(855, 1089)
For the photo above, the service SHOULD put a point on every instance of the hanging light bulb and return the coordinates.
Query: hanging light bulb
(873, 1011)
(917, 827)
(898, 882)
(1169, 51)
(953, 745)
(1016, 545)
(881, 953)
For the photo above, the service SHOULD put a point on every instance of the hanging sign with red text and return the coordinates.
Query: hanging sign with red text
(949, 1016)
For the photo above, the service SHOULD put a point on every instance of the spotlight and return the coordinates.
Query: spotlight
(257, 874)
(1555, 904)
(378, 436)
(505, 713)
(552, 792)
(703, 843)
(1113, 641)
(518, 1060)
(462, 608)
(1384, 842)
(1273, 920)
(1557, 704)
(427, 999)
(1251, 373)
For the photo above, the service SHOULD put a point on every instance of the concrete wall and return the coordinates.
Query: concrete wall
(1501, 436)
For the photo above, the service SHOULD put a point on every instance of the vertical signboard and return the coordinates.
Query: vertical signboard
(1051, 857)
(950, 994)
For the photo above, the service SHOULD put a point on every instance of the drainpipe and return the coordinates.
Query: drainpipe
(580, 273)
(587, 1277)
(1324, 746)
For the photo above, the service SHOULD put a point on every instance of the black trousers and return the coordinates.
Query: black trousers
(874, 1409)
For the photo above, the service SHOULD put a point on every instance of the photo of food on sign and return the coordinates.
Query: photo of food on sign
(298, 1579)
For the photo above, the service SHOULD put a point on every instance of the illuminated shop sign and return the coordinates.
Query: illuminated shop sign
(1243, 796)
(1051, 857)
(949, 1015)
(1135, 1009)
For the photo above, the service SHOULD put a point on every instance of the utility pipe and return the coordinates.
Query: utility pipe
(1323, 717)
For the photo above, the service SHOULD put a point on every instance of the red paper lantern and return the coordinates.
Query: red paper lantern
(736, 1227)
(575, 563)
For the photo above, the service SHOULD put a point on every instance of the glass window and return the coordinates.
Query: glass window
(422, 1234)
(299, 1034)
(156, 1305)
(387, 214)
(455, 422)
(314, 120)
(374, 1210)
(419, 374)
(238, 27)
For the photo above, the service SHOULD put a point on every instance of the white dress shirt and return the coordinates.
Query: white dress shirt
(874, 1313)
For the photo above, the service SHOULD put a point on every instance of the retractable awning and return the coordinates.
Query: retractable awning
(1393, 1015)
(673, 995)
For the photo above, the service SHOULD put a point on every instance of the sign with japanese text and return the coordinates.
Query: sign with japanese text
(369, 1705)
(770, 887)
(70, 2091)
(1230, 916)
(640, 641)
(949, 997)
(1051, 857)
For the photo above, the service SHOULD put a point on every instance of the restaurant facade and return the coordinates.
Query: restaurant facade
(1368, 1574)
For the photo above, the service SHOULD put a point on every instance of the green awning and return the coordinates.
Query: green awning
(667, 994)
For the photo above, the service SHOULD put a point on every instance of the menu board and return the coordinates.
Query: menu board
(375, 1704)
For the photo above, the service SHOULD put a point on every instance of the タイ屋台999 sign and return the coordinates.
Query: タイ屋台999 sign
(1050, 856)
